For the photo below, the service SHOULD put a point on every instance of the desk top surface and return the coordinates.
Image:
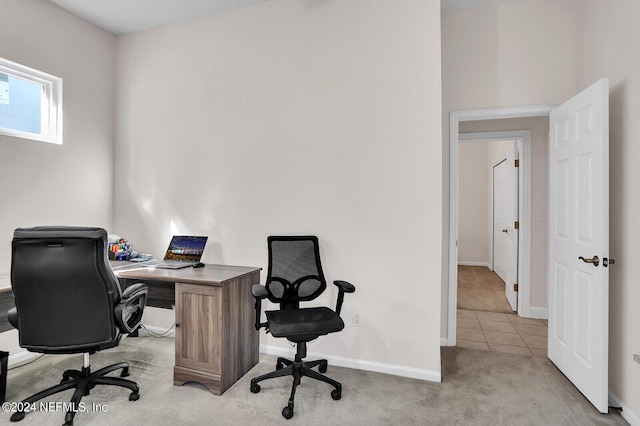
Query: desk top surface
(209, 274)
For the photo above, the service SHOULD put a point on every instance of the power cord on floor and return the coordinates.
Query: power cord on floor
(159, 335)
(151, 333)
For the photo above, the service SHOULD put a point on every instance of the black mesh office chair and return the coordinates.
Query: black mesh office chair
(69, 301)
(294, 276)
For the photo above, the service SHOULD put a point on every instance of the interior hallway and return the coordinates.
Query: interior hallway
(485, 319)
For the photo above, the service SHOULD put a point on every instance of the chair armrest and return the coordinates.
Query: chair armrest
(128, 313)
(133, 289)
(12, 316)
(343, 287)
(259, 292)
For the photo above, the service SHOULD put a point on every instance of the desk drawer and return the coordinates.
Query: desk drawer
(161, 293)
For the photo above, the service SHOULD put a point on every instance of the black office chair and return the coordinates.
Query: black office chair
(69, 301)
(295, 275)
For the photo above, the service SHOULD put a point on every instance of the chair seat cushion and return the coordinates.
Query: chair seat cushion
(303, 324)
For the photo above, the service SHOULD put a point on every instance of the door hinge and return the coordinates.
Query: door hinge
(515, 287)
(517, 163)
(516, 225)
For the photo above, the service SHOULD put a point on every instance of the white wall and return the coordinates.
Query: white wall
(609, 34)
(293, 117)
(474, 232)
(68, 184)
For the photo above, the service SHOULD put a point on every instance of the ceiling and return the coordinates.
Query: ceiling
(128, 16)
(455, 5)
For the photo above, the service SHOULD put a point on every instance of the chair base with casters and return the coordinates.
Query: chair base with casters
(298, 368)
(82, 381)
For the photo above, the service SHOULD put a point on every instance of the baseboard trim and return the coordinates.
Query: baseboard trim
(396, 370)
(538, 313)
(21, 357)
(356, 364)
(5, 280)
(463, 263)
(626, 413)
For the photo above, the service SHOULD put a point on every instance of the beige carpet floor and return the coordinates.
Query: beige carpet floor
(478, 388)
(480, 289)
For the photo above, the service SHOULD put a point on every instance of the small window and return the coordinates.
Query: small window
(30, 103)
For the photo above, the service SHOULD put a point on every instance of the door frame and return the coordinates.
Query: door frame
(524, 243)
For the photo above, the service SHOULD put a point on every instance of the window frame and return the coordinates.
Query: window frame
(51, 103)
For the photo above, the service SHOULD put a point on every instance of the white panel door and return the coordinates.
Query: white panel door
(579, 241)
(500, 219)
(505, 215)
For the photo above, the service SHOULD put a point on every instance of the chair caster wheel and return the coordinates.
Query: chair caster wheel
(287, 412)
(134, 396)
(17, 416)
(336, 394)
(322, 368)
(255, 388)
(68, 419)
(279, 366)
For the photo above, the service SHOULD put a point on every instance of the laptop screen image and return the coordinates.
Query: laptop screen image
(185, 248)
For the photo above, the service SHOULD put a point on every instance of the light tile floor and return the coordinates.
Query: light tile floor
(498, 332)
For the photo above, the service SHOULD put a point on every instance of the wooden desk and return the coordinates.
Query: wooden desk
(216, 341)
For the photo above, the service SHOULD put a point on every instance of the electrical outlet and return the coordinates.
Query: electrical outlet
(356, 318)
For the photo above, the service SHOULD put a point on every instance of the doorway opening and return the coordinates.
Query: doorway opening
(488, 219)
(578, 222)
(457, 118)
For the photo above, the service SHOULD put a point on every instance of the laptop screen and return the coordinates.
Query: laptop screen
(185, 248)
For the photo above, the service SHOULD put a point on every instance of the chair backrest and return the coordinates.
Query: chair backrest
(295, 272)
(64, 289)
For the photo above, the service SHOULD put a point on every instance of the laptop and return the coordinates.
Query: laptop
(183, 251)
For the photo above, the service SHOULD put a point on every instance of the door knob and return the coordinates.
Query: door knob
(595, 260)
